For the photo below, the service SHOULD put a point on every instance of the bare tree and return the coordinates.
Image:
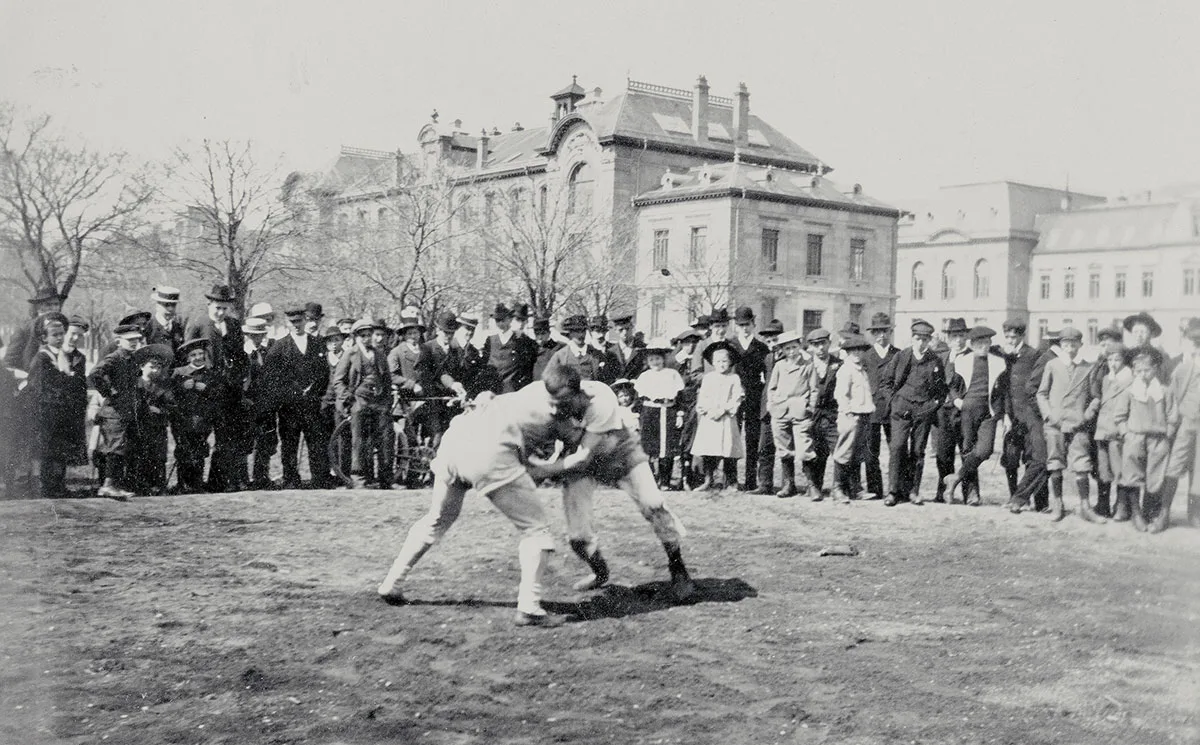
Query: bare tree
(60, 205)
(555, 248)
(232, 223)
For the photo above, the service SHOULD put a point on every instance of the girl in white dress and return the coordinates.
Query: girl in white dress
(717, 433)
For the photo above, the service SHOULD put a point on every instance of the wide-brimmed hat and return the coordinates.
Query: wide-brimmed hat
(622, 383)
(160, 352)
(261, 310)
(682, 336)
(186, 348)
(574, 324)
(718, 315)
(447, 322)
(795, 335)
(1146, 318)
(774, 327)
(659, 345)
(221, 294)
(140, 318)
(957, 326)
(701, 322)
(165, 294)
(879, 322)
(734, 353)
(410, 323)
(255, 325)
(470, 320)
(855, 341)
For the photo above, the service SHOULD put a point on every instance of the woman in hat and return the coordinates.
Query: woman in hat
(153, 407)
(718, 437)
(52, 407)
(661, 418)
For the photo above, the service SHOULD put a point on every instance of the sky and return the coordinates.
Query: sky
(902, 97)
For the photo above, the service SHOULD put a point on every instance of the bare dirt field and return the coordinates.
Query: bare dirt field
(251, 618)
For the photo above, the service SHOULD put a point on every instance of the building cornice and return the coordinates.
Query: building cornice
(1083, 252)
(720, 155)
(763, 196)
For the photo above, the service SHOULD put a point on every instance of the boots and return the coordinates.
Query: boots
(595, 562)
(1083, 486)
(1056, 500)
(114, 470)
(1103, 490)
(1010, 474)
(949, 484)
(787, 469)
(682, 586)
(914, 495)
(708, 465)
(971, 491)
(940, 495)
(1136, 514)
(1121, 511)
(1163, 518)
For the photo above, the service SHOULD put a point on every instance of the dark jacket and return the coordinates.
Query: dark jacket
(295, 379)
(545, 351)
(226, 353)
(824, 405)
(404, 366)
(59, 406)
(512, 362)
(593, 365)
(197, 410)
(873, 366)
(437, 368)
(914, 389)
(351, 388)
(115, 378)
(752, 370)
(172, 335)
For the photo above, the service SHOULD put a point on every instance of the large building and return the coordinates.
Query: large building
(1095, 266)
(967, 252)
(593, 177)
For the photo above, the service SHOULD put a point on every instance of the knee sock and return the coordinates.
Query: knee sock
(533, 559)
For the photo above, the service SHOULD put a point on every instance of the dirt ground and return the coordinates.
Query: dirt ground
(251, 618)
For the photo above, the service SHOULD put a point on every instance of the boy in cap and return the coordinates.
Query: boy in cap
(1146, 415)
(154, 406)
(788, 395)
(332, 338)
(364, 395)
(114, 379)
(627, 349)
(1068, 413)
(855, 405)
(610, 371)
(980, 384)
(199, 393)
(914, 385)
(1116, 380)
(947, 435)
(766, 438)
(823, 405)
(546, 346)
(1184, 462)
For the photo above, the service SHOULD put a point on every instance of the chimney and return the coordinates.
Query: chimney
(700, 111)
(517, 127)
(481, 152)
(741, 115)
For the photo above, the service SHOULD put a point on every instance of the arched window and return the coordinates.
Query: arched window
(982, 279)
(948, 281)
(543, 197)
(918, 281)
(579, 189)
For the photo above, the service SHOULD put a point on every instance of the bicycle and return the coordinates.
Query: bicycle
(414, 448)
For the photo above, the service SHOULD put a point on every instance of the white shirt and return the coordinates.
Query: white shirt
(881, 351)
(301, 341)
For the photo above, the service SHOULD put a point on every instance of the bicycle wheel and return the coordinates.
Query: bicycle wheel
(338, 444)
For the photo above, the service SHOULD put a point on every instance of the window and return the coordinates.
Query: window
(1043, 328)
(658, 308)
(816, 245)
(770, 249)
(812, 320)
(948, 281)
(1045, 287)
(856, 313)
(982, 279)
(768, 309)
(1189, 281)
(1068, 322)
(1069, 285)
(1119, 285)
(489, 207)
(980, 321)
(1093, 330)
(696, 248)
(1148, 283)
(579, 189)
(543, 197)
(918, 281)
(858, 258)
(1093, 285)
(661, 238)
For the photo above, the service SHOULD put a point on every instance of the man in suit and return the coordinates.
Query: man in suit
(766, 437)
(546, 346)
(297, 374)
(438, 373)
(751, 370)
(227, 360)
(914, 385)
(164, 326)
(578, 353)
(1025, 376)
(1025, 442)
(873, 361)
(364, 394)
(510, 354)
(947, 437)
(25, 342)
(824, 433)
(260, 434)
(629, 354)
(610, 371)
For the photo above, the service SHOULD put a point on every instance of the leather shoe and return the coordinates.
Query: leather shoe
(396, 599)
(764, 489)
(889, 500)
(543, 620)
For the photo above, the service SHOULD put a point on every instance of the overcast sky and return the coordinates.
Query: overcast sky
(899, 96)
